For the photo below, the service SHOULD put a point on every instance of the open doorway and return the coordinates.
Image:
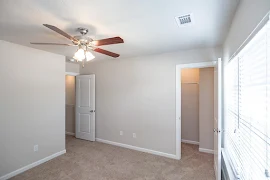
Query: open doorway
(197, 108)
(70, 84)
(209, 107)
(178, 91)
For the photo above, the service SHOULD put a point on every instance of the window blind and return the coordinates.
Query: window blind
(247, 109)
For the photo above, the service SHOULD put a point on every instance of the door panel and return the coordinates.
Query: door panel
(84, 94)
(217, 118)
(85, 107)
(85, 122)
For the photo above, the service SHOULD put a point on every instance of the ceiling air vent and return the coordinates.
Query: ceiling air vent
(184, 20)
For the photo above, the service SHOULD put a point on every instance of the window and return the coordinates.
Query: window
(247, 109)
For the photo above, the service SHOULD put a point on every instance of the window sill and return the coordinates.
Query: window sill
(230, 173)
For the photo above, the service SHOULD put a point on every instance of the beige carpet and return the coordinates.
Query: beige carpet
(97, 161)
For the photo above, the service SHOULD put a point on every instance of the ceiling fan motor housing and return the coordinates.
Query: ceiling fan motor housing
(83, 39)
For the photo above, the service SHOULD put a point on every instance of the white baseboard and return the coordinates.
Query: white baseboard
(172, 156)
(70, 133)
(25, 168)
(189, 142)
(210, 151)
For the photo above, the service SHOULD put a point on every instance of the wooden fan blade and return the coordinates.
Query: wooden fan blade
(53, 44)
(114, 40)
(108, 53)
(60, 32)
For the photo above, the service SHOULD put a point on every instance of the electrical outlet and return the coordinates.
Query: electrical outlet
(134, 135)
(35, 148)
(121, 133)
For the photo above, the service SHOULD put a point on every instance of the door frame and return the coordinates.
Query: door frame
(72, 74)
(178, 123)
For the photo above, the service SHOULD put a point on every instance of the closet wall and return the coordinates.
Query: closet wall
(70, 104)
(190, 105)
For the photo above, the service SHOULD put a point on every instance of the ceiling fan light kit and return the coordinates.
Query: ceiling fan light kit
(83, 55)
(79, 55)
(85, 44)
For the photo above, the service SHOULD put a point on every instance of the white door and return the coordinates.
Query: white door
(85, 107)
(217, 118)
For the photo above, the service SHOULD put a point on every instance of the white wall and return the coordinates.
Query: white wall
(32, 102)
(137, 95)
(190, 104)
(72, 67)
(247, 17)
(206, 108)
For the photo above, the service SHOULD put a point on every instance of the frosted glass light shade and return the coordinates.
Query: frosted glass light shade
(89, 56)
(79, 55)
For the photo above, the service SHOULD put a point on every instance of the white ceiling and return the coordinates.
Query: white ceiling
(147, 26)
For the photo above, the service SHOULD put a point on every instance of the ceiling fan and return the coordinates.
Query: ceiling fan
(85, 44)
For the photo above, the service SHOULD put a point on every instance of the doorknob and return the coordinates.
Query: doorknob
(214, 130)
(92, 111)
